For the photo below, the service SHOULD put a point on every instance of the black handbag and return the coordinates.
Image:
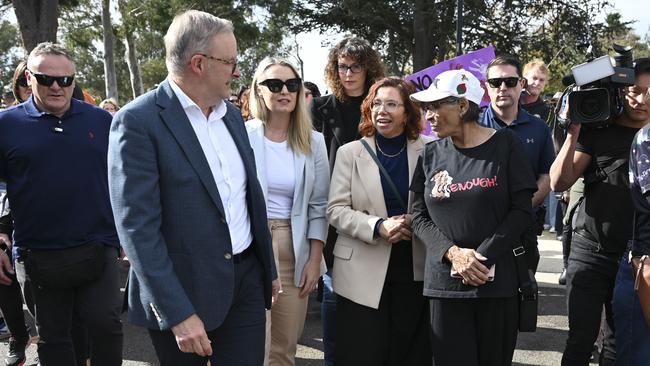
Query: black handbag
(527, 293)
(65, 268)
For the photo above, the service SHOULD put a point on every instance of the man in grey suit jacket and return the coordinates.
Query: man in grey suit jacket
(189, 209)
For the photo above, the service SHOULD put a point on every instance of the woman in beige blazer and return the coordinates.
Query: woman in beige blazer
(382, 317)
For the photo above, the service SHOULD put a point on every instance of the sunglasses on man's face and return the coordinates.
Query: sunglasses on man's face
(276, 85)
(511, 82)
(47, 80)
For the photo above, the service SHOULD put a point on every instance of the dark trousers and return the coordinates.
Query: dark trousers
(474, 332)
(97, 304)
(395, 334)
(11, 305)
(590, 281)
(239, 340)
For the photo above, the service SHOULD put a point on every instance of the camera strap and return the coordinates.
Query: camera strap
(599, 173)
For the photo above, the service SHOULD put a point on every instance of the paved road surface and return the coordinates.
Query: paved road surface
(543, 347)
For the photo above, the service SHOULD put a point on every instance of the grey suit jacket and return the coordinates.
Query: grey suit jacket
(310, 195)
(169, 215)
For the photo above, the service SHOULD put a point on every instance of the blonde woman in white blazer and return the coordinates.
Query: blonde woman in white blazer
(293, 170)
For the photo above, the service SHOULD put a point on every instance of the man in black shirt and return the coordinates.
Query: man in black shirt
(352, 67)
(536, 75)
(603, 222)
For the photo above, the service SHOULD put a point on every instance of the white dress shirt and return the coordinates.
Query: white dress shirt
(225, 163)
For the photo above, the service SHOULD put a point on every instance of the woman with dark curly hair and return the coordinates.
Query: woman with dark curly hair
(382, 316)
(352, 67)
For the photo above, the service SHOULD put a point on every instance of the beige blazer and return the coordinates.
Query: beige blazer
(356, 203)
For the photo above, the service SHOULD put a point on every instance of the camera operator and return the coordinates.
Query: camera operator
(603, 222)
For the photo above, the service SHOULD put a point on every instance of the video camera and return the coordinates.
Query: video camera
(595, 92)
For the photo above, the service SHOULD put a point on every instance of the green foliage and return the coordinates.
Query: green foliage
(557, 31)
(10, 54)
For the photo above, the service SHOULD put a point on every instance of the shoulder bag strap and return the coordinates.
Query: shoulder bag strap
(385, 174)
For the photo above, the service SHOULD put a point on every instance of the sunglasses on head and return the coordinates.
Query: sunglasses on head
(47, 80)
(276, 85)
(511, 82)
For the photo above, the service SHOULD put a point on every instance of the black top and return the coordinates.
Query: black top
(337, 120)
(538, 109)
(640, 189)
(476, 198)
(339, 123)
(400, 266)
(605, 215)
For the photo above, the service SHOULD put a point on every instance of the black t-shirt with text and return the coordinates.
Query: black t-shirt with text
(477, 198)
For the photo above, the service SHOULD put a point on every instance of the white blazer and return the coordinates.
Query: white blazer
(312, 174)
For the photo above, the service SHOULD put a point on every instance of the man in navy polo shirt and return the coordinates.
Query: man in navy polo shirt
(53, 158)
(504, 85)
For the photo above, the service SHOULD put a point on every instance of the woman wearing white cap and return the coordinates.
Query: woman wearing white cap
(472, 201)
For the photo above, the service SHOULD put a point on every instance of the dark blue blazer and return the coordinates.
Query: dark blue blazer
(169, 215)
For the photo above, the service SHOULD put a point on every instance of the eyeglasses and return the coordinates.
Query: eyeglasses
(47, 80)
(22, 82)
(432, 106)
(232, 63)
(390, 106)
(276, 85)
(355, 68)
(511, 82)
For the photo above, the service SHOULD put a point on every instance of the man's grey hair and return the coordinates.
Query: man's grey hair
(190, 33)
(49, 48)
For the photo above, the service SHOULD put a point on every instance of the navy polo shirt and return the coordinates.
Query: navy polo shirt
(57, 182)
(534, 134)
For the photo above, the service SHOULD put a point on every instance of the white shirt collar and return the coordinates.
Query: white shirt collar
(218, 110)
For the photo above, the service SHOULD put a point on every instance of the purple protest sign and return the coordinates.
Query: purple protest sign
(475, 62)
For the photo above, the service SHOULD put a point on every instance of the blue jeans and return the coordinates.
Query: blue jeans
(328, 316)
(632, 332)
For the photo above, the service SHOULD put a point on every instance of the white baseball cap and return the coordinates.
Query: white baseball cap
(452, 83)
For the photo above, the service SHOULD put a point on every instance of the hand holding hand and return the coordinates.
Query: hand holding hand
(467, 262)
(191, 336)
(396, 228)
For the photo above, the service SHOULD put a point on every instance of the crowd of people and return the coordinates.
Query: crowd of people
(233, 209)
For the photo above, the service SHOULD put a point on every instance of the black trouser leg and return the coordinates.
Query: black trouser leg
(98, 304)
(590, 281)
(474, 332)
(11, 305)
(395, 334)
